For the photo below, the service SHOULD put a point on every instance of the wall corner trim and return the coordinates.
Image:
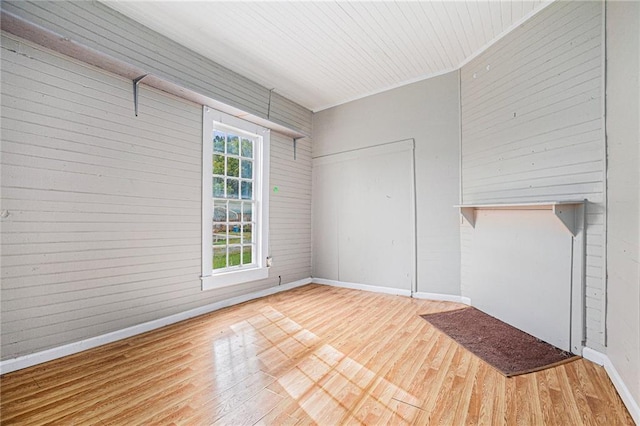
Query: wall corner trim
(624, 392)
(365, 287)
(14, 364)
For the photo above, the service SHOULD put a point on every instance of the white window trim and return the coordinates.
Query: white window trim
(211, 280)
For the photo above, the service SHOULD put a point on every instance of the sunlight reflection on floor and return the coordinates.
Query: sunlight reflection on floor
(328, 385)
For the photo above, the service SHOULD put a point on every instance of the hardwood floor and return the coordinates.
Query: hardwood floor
(313, 355)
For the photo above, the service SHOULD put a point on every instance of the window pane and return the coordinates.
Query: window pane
(246, 254)
(247, 148)
(247, 212)
(218, 187)
(233, 145)
(218, 141)
(232, 166)
(235, 211)
(218, 164)
(247, 190)
(234, 255)
(247, 235)
(219, 257)
(219, 211)
(232, 188)
(247, 169)
(219, 234)
(234, 234)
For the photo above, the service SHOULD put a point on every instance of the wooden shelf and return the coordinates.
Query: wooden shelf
(565, 211)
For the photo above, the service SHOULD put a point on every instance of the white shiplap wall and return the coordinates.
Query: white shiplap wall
(623, 196)
(532, 128)
(99, 27)
(104, 208)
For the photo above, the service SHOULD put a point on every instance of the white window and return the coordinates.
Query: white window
(235, 210)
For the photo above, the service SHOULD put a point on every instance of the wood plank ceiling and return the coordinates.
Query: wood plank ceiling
(320, 54)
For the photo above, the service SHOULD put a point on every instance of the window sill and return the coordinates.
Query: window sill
(226, 279)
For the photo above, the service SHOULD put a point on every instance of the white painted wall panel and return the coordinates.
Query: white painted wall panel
(623, 216)
(366, 228)
(104, 207)
(532, 128)
(325, 259)
(427, 112)
(518, 278)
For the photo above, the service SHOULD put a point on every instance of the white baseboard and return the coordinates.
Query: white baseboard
(25, 361)
(443, 297)
(594, 356)
(394, 291)
(601, 359)
(365, 287)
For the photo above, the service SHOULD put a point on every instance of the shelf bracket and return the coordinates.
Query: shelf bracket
(136, 83)
(469, 213)
(567, 215)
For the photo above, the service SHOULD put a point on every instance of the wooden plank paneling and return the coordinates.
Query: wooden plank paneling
(623, 196)
(532, 127)
(322, 54)
(104, 222)
(101, 28)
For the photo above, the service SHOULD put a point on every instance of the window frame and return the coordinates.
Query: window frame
(213, 279)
